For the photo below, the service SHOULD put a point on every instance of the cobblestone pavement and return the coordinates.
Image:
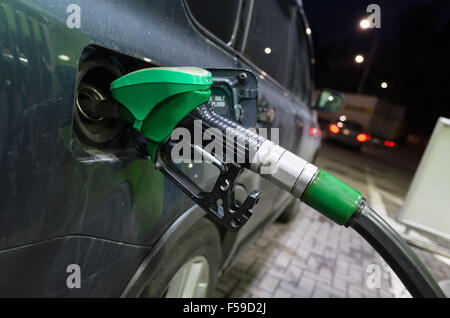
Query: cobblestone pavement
(313, 257)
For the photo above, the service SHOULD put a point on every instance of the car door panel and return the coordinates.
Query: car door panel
(47, 192)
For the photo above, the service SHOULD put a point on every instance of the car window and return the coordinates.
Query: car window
(269, 43)
(218, 16)
(301, 86)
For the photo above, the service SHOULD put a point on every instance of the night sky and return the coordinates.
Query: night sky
(344, 16)
(412, 54)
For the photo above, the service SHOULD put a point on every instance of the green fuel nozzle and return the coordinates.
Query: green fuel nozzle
(156, 100)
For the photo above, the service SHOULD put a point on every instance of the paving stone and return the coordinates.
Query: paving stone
(269, 283)
(262, 242)
(342, 263)
(294, 272)
(354, 293)
(321, 293)
(281, 293)
(303, 252)
(290, 287)
(244, 263)
(259, 293)
(241, 275)
(307, 282)
(340, 272)
(257, 269)
(240, 293)
(366, 292)
(339, 283)
(291, 261)
(228, 284)
(384, 293)
(280, 274)
(218, 294)
(326, 273)
(313, 262)
(283, 259)
(332, 292)
(316, 277)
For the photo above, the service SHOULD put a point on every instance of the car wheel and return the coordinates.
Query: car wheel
(290, 213)
(190, 269)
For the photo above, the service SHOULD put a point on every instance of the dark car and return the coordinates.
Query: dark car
(347, 133)
(82, 214)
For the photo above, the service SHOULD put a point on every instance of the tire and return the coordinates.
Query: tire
(290, 213)
(201, 241)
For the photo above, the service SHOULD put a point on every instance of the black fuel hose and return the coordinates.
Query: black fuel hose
(396, 252)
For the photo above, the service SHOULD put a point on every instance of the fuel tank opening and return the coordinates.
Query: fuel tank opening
(94, 79)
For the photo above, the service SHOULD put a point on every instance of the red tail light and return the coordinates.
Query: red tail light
(313, 131)
(389, 143)
(334, 129)
(362, 137)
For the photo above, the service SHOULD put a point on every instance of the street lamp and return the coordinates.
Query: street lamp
(359, 58)
(364, 24)
(384, 85)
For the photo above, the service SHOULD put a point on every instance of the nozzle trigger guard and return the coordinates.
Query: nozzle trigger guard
(219, 203)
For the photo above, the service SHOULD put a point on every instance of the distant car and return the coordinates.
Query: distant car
(386, 143)
(348, 133)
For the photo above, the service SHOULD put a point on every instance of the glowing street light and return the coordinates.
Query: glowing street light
(359, 58)
(308, 31)
(384, 85)
(267, 50)
(364, 24)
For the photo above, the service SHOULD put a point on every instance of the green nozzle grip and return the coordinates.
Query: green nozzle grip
(156, 99)
(332, 197)
(143, 90)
